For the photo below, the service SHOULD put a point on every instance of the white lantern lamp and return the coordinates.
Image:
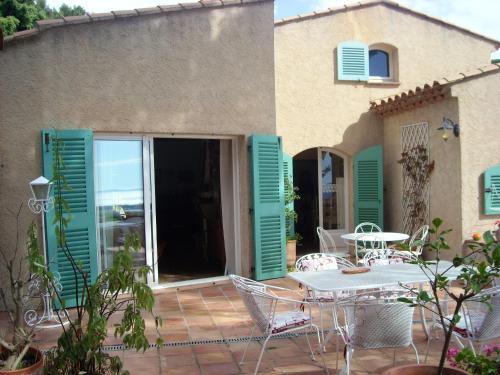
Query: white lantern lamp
(41, 200)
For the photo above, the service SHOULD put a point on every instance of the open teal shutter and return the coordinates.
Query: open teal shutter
(288, 173)
(368, 186)
(268, 206)
(352, 61)
(492, 191)
(76, 153)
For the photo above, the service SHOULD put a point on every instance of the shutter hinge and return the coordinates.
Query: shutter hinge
(487, 190)
(46, 141)
(250, 211)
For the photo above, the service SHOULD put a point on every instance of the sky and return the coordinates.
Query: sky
(482, 16)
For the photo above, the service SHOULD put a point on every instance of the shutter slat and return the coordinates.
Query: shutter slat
(268, 207)
(492, 191)
(352, 61)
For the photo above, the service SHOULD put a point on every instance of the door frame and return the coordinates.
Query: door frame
(148, 163)
(335, 232)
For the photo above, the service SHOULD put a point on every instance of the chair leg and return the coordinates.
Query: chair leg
(248, 344)
(394, 357)
(261, 354)
(416, 352)
(309, 344)
(319, 351)
(424, 323)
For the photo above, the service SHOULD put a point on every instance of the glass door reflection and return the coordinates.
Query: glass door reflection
(119, 197)
(332, 191)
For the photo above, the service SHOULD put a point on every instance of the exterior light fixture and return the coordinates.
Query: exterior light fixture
(41, 199)
(447, 125)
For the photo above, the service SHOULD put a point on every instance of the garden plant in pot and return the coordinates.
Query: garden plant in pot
(292, 237)
(478, 269)
(17, 355)
(120, 294)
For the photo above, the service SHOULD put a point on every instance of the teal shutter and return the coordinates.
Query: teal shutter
(492, 191)
(352, 61)
(368, 186)
(268, 206)
(288, 173)
(76, 153)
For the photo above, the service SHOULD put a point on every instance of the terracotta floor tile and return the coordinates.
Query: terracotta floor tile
(220, 369)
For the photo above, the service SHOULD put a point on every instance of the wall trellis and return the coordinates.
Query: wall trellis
(413, 136)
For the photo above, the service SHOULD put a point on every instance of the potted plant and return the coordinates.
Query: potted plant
(290, 219)
(17, 356)
(478, 269)
(119, 290)
(487, 362)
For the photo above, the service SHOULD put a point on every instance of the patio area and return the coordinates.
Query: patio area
(204, 330)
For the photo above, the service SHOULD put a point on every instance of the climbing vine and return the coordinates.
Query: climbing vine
(417, 170)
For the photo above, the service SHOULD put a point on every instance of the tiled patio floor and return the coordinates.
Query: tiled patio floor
(216, 312)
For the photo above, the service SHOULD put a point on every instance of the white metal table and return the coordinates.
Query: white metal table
(379, 276)
(375, 236)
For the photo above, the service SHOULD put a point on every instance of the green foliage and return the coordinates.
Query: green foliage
(478, 269)
(18, 15)
(291, 215)
(121, 289)
(485, 363)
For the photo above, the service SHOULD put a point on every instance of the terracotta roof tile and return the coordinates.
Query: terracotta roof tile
(389, 3)
(95, 17)
(428, 93)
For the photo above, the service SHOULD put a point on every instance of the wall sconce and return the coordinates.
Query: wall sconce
(448, 124)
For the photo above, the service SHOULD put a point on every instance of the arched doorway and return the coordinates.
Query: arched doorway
(320, 174)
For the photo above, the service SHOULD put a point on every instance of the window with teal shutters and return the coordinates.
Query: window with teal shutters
(492, 191)
(368, 186)
(268, 200)
(352, 61)
(288, 174)
(76, 153)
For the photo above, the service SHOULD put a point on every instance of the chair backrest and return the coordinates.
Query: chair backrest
(260, 305)
(326, 242)
(370, 241)
(483, 319)
(420, 235)
(373, 258)
(321, 262)
(367, 227)
(378, 322)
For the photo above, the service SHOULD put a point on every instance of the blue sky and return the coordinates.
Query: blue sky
(482, 16)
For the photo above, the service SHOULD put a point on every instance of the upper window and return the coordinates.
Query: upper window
(358, 62)
(379, 63)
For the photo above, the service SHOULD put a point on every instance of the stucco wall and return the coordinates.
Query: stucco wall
(479, 108)
(207, 72)
(446, 188)
(315, 109)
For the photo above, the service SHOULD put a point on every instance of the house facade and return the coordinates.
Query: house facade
(172, 122)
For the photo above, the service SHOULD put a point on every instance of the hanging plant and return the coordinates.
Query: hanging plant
(417, 168)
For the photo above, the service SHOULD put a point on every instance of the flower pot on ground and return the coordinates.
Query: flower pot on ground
(291, 252)
(33, 363)
(423, 370)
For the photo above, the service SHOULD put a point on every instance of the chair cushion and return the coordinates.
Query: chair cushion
(288, 320)
(463, 328)
(318, 264)
(324, 297)
(395, 260)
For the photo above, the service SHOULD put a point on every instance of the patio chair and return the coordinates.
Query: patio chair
(322, 262)
(376, 321)
(262, 305)
(371, 246)
(480, 321)
(366, 227)
(327, 243)
(416, 244)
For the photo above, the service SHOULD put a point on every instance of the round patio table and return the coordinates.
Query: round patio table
(376, 236)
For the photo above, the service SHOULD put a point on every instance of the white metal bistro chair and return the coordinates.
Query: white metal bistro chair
(262, 305)
(371, 246)
(375, 321)
(322, 262)
(480, 321)
(327, 243)
(363, 228)
(416, 244)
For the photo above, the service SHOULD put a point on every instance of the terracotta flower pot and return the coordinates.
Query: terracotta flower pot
(423, 370)
(291, 252)
(34, 369)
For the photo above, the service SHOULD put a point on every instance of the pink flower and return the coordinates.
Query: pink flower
(452, 352)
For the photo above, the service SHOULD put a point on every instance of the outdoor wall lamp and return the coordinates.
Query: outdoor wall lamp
(41, 199)
(448, 124)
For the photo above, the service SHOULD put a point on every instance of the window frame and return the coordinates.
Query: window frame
(392, 61)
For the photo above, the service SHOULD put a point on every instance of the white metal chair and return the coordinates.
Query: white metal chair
(375, 321)
(416, 244)
(327, 243)
(322, 262)
(262, 305)
(369, 245)
(480, 321)
(363, 228)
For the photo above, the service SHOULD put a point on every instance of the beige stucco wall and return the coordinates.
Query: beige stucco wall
(314, 109)
(206, 72)
(445, 184)
(479, 109)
